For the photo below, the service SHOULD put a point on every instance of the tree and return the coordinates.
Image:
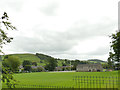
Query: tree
(67, 61)
(12, 62)
(26, 62)
(64, 64)
(115, 49)
(27, 65)
(52, 63)
(110, 60)
(34, 69)
(105, 66)
(34, 63)
(40, 69)
(5, 25)
(27, 68)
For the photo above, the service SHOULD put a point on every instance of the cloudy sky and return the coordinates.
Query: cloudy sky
(71, 29)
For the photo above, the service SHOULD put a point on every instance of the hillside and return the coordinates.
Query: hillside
(30, 57)
(96, 61)
(42, 59)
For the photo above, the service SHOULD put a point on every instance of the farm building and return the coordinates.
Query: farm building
(89, 68)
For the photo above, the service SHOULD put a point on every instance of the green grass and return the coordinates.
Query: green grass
(60, 79)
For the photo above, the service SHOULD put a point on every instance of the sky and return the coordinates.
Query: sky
(66, 29)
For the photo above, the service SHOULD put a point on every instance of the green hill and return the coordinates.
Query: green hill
(30, 57)
(96, 61)
(42, 59)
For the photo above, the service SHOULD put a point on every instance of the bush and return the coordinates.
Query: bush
(40, 69)
(68, 68)
(34, 63)
(73, 68)
(41, 61)
(27, 68)
(34, 70)
(12, 62)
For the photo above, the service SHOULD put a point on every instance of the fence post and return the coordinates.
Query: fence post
(99, 82)
(79, 81)
(75, 80)
(117, 81)
(119, 78)
(93, 81)
(90, 81)
(106, 82)
(87, 81)
(113, 82)
(96, 82)
(84, 81)
(103, 80)
(109, 82)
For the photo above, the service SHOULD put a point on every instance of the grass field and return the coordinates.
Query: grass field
(64, 79)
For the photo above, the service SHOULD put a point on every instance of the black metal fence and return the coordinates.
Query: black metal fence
(96, 82)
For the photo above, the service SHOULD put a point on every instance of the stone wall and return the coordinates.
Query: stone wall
(89, 68)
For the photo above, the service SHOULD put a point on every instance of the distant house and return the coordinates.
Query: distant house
(63, 68)
(89, 68)
(35, 67)
(59, 68)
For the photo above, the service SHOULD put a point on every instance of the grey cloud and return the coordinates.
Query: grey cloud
(12, 4)
(87, 30)
(50, 9)
(48, 44)
(62, 42)
(100, 51)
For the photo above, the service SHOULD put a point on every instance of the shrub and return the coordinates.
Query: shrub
(41, 61)
(27, 68)
(68, 68)
(22, 70)
(34, 63)
(40, 69)
(34, 70)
